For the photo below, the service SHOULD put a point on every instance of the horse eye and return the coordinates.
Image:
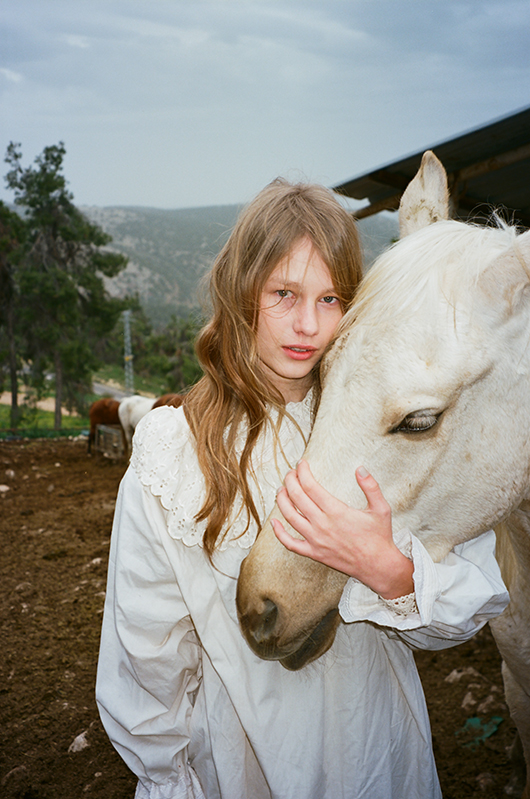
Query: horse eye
(417, 422)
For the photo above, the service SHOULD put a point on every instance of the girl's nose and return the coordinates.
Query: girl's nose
(306, 319)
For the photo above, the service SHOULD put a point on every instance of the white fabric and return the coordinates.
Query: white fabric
(184, 699)
(186, 786)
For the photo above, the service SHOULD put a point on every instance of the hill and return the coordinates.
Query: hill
(171, 250)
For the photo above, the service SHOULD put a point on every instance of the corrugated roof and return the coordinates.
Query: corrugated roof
(488, 167)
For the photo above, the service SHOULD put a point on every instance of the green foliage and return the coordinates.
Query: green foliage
(170, 352)
(61, 304)
(164, 358)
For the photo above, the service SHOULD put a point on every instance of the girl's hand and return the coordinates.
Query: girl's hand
(356, 542)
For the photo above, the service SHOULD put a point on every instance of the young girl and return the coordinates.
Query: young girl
(192, 711)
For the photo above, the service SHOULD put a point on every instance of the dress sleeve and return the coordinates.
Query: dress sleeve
(149, 666)
(454, 598)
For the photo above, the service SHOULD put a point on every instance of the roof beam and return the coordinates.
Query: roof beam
(455, 179)
(494, 163)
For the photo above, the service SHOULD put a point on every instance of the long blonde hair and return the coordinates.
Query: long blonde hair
(235, 394)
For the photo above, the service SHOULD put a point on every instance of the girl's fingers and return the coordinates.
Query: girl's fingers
(327, 502)
(374, 496)
(299, 496)
(297, 545)
(291, 514)
(320, 496)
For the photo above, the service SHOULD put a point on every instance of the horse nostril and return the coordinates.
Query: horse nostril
(265, 622)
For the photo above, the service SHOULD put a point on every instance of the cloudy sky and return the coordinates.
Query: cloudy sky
(183, 103)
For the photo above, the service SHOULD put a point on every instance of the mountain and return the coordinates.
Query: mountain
(170, 251)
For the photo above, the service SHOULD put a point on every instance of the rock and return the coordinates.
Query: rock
(485, 780)
(457, 674)
(79, 743)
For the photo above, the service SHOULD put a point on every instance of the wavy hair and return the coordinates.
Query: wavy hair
(234, 395)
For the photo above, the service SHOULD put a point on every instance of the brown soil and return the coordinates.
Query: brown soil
(56, 520)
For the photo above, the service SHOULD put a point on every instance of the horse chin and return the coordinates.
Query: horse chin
(315, 645)
(304, 650)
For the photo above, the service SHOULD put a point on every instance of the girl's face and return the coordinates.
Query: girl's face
(299, 313)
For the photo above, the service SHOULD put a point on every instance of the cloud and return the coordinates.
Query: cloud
(14, 77)
(77, 41)
(179, 103)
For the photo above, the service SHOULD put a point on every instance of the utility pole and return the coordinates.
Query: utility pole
(128, 356)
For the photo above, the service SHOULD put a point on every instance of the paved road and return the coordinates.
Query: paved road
(106, 389)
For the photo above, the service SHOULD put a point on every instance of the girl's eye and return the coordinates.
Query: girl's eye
(329, 300)
(283, 293)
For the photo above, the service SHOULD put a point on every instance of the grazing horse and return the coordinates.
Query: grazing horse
(131, 410)
(102, 411)
(428, 386)
(175, 400)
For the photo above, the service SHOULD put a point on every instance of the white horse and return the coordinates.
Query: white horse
(130, 411)
(428, 386)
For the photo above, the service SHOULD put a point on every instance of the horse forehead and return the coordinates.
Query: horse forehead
(399, 346)
(389, 368)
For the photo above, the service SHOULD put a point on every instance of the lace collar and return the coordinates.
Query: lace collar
(165, 461)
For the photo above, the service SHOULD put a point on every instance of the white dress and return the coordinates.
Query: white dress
(194, 713)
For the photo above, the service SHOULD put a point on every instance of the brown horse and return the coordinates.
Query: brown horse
(175, 400)
(103, 411)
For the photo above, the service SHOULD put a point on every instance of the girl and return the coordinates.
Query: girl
(192, 711)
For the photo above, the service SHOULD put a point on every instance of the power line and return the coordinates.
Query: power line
(128, 356)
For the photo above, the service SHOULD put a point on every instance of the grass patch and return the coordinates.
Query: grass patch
(110, 373)
(115, 375)
(35, 423)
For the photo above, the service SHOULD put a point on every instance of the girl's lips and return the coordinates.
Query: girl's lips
(299, 353)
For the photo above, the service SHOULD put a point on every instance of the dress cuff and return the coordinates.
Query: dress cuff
(360, 603)
(402, 605)
(185, 786)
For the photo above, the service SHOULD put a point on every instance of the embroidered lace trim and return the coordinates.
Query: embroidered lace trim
(402, 605)
(165, 461)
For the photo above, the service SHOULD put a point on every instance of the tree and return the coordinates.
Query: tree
(65, 307)
(12, 237)
(169, 352)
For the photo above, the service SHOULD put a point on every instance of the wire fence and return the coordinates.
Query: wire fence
(22, 433)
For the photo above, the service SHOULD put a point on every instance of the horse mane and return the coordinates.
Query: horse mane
(448, 255)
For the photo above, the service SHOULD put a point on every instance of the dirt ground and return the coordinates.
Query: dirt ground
(56, 507)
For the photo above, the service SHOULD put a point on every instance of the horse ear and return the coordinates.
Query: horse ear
(505, 283)
(521, 297)
(426, 198)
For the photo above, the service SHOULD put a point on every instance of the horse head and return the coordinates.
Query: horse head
(426, 385)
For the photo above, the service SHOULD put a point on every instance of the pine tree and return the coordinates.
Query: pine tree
(64, 307)
(12, 238)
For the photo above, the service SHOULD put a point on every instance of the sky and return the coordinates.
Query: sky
(187, 103)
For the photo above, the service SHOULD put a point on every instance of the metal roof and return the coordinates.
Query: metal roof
(488, 168)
